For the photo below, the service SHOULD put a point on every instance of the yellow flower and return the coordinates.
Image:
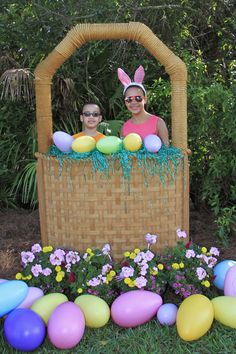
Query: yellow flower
(127, 280)
(131, 284)
(88, 250)
(29, 277)
(175, 266)
(208, 254)
(153, 272)
(47, 249)
(58, 278)
(79, 291)
(206, 283)
(181, 265)
(18, 276)
(204, 250)
(61, 274)
(160, 266)
(91, 254)
(112, 273)
(137, 250)
(127, 254)
(57, 268)
(109, 277)
(132, 255)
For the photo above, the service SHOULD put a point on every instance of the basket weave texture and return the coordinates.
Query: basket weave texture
(83, 209)
(78, 209)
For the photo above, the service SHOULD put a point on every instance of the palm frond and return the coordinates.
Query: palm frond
(17, 85)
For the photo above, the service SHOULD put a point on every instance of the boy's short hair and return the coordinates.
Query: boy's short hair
(93, 103)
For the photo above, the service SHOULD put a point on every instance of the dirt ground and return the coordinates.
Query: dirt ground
(19, 229)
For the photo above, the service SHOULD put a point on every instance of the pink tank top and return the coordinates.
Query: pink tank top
(142, 129)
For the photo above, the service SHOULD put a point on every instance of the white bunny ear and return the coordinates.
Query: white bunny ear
(139, 75)
(123, 77)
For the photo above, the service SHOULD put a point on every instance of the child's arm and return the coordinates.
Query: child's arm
(163, 132)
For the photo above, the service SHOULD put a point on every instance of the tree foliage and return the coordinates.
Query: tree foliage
(201, 33)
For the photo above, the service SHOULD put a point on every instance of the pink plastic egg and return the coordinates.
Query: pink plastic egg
(66, 326)
(230, 282)
(135, 307)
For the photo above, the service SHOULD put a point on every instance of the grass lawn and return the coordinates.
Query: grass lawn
(147, 339)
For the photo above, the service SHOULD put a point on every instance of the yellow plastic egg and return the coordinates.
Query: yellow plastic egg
(83, 144)
(225, 310)
(194, 317)
(96, 311)
(132, 142)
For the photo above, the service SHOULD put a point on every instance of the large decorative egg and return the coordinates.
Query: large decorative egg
(66, 326)
(194, 317)
(63, 141)
(225, 310)
(24, 330)
(220, 271)
(34, 294)
(230, 282)
(135, 308)
(12, 293)
(152, 143)
(132, 142)
(47, 304)
(84, 144)
(109, 145)
(95, 310)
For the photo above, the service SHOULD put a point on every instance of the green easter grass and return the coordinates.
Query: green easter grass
(150, 338)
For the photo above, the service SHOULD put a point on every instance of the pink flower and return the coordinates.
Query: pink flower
(149, 256)
(36, 248)
(127, 271)
(72, 257)
(36, 270)
(94, 282)
(140, 282)
(214, 251)
(57, 257)
(144, 269)
(46, 271)
(138, 258)
(106, 268)
(181, 234)
(27, 257)
(106, 249)
(201, 273)
(211, 262)
(151, 239)
(190, 254)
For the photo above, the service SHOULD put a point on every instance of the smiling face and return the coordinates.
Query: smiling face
(135, 100)
(91, 116)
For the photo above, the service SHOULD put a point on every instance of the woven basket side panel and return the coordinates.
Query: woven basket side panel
(86, 210)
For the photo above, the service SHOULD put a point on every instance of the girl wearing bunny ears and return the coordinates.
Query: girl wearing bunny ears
(141, 122)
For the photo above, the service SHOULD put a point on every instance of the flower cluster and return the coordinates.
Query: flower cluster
(187, 269)
(142, 270)
(47, 268)
(190, 267)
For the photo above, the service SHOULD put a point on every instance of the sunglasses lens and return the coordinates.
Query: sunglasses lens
(132, 98)
(88, 114)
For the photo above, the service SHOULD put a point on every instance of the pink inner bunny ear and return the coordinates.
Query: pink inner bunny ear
(139, 75)
(123, 77)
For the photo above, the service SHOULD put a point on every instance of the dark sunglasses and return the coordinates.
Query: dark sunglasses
(129, 99)
(88, 114)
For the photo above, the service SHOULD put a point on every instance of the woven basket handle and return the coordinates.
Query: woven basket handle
(135, 31)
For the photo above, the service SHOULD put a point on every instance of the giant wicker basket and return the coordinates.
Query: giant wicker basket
(79, 209)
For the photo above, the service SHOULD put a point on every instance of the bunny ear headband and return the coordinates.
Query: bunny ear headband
(126, 81)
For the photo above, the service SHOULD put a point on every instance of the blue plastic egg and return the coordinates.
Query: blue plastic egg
(220, 271)
(12, 293)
